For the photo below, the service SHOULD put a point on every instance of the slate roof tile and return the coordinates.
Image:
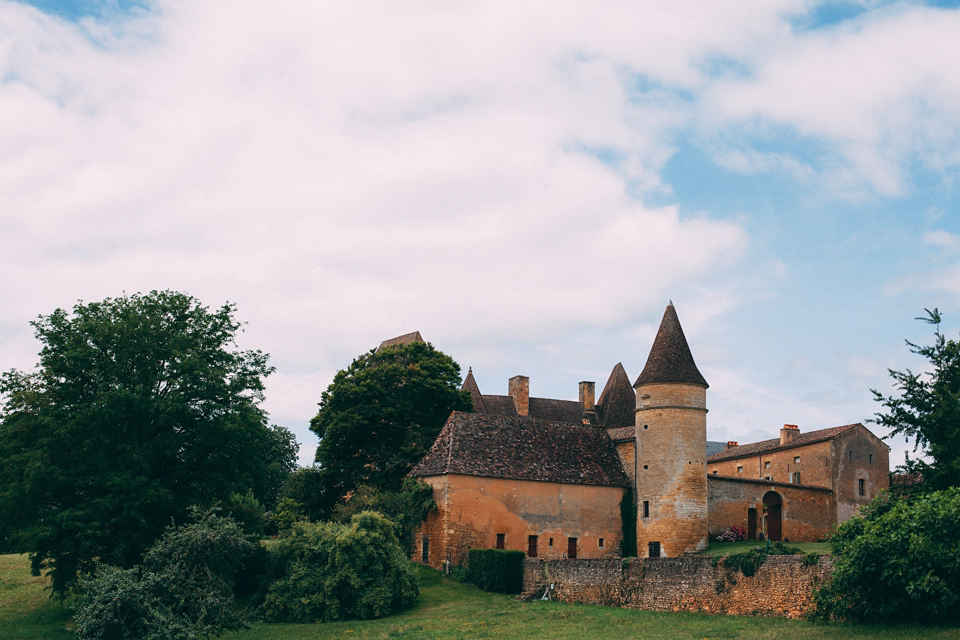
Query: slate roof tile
(523, 448)
(670, 359)
(773, 444)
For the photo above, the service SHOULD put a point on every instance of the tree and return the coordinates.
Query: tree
(183, 590)
(406, 508)
(334, 571)
(379, 417)
(311, 488)
(927, 408)
(140, 407)
(897, 561)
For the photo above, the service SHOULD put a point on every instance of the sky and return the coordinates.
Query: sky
(526, 184)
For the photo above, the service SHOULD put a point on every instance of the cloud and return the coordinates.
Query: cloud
(490, 175)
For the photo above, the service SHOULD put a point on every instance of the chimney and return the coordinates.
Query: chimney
(789, 433)
(731, 444)
(520, 392)
(586, 396)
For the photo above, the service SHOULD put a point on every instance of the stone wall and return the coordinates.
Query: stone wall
(782, 586)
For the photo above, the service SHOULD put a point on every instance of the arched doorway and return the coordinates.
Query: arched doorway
(772, 514)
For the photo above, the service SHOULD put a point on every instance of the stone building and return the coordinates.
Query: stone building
(548, 476)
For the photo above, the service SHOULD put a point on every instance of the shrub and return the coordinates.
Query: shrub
(496, 570)
(333, 571)
(733, 534)
(183, 590)
(897, 561)
(406, 508)
(286, 514)
(746, 563)
(248, 512)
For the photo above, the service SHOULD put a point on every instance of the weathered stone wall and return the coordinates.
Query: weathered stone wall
(807, 514)
(858, 454)
(472, 511)
(671, 428)
(782, 586)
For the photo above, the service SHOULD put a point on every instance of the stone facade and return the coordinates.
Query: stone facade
(479, 513)
(782, 586)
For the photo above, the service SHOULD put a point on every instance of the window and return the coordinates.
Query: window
(862, 486)
(796, 459)
(795, 477)
(646, 508)
(653, 549)
(768, 478)
(532, 546)
(571, 547)
(600, 542)
(739, 468)
(871, 458)
(550, 542)
(766, 465)
(714, 472)
(501, 540)
(644, 466)
(850, 455)
(425, 551)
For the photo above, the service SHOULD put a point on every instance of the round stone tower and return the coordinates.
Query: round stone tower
(671, 428)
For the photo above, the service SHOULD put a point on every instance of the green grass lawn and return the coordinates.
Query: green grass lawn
(450, 610)
(726, 548)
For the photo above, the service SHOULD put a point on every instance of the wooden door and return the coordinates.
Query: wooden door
(571, 547)
(532, 546)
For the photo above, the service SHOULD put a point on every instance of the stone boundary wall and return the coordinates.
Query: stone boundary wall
(783, 585)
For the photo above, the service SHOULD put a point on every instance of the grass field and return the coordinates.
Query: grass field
(726, 548)
(450, 610)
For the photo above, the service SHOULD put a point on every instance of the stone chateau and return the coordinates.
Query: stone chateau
(554, 478)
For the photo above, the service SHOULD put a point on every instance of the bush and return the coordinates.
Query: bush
(333, 571)
(183, 590)
(406, 508)
(496, 570)
(248, 512)
(897, 561)
(733, 534)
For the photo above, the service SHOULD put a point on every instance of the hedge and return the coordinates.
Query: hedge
(496, 570)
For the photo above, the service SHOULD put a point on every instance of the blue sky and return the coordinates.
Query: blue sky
(527, 185)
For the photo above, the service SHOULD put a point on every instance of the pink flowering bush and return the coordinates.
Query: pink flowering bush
(734, 533)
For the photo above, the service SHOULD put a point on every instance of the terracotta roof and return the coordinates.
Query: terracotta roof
(406, 338)
(670, 359)
(617, 405)
(773, 444)
(523, 449)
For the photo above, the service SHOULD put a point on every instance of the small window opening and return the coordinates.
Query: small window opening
(862, 486)
(739, 468)
(644, 466)
(714, 472)
(550, 542)
(646, 426)
(653, 549)
(766, 465)
(646, 508)
(871, 458)
(600, 542)
(501, 540)
(850, 455)
(796, 459)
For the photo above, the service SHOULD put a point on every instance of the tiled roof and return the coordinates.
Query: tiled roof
(558, 410)
(670, 359)
(773, 444)
(470, 384)
(500, 405)
(760, 481)
(619, 434)
(617, 404)
(406, 338)
(523, 449)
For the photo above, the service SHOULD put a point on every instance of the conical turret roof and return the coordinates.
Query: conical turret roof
(670, 359)
(470, 384)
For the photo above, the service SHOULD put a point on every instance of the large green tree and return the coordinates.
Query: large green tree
(140, 407)
(380, 415)
(926, 408)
